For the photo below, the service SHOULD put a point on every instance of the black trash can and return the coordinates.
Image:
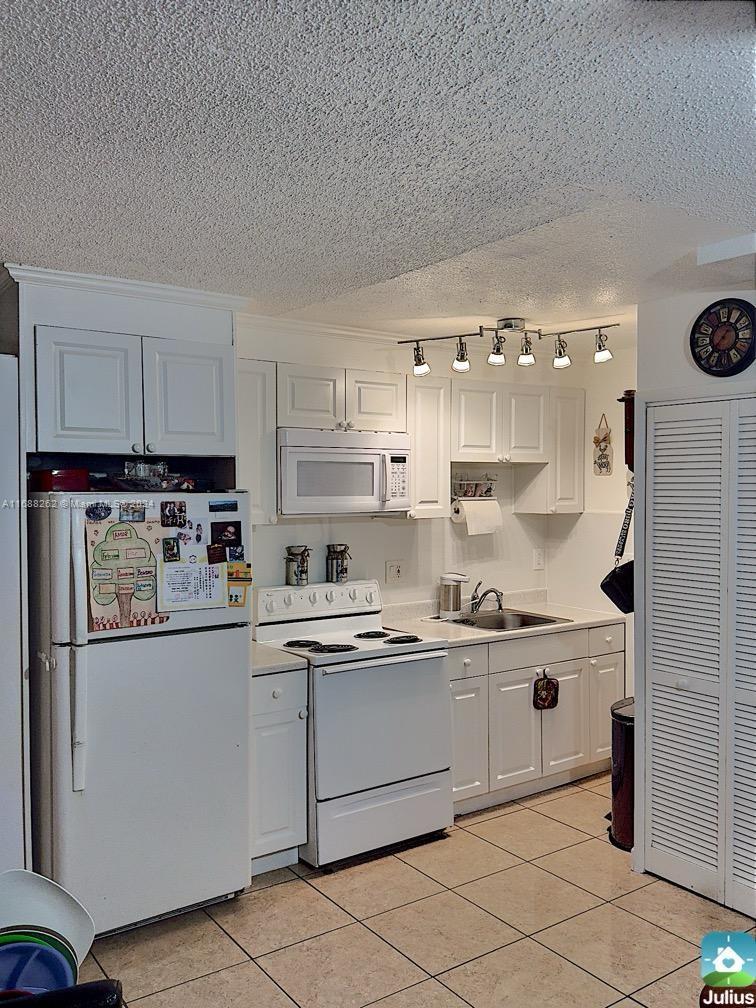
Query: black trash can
(623, 773)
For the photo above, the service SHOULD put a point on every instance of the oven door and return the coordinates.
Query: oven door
(331, 481)
(380, 721)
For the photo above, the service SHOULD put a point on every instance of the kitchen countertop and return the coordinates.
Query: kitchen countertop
(265, 660)
(457, 634)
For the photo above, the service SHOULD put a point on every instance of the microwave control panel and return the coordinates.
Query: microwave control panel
(399, 481)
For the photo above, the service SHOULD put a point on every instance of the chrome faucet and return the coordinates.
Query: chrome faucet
(476, 601)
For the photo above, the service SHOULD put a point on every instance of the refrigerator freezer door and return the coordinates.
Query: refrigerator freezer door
(162, 821)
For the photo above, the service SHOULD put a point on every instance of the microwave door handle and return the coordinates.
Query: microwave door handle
(384, 478)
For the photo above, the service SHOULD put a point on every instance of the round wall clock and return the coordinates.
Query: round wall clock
(722, 339)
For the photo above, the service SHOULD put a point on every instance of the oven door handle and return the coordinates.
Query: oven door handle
(394, 660)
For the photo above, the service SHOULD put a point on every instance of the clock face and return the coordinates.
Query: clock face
(722, 339)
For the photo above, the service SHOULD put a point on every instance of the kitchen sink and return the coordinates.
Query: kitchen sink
(508, 619)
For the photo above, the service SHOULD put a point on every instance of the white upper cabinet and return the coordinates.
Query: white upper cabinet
(327, 398)
(376, 401)
(559, 487)
(566, 733)
(428, 401)
(311, 397)
(525, 414)
(607, 685)
(115, 393)
(514, 729)
(477, 421)
(256, 437)
(188, 398)
(89, 391)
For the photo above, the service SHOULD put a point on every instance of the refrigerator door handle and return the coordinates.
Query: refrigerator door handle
(78, 718)
(79, 560)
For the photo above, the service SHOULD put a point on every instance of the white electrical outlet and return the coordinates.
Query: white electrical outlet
(394, 571)
(539, 558)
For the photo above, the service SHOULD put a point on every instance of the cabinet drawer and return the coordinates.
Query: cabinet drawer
(544, 649)
(279, 691)
(464, 662)
(606, 639)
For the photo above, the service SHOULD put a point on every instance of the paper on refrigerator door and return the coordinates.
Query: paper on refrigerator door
(122, 573)
(191, 585)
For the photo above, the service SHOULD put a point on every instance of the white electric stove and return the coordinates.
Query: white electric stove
(379, 752)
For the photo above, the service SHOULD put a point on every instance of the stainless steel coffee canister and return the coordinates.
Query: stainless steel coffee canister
(297, 565)
(450, 595)
(337, 566)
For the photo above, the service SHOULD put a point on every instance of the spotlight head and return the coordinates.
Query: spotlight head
(561, 357)
(526, 357)
(461, 362)
(421, 367)
(603, 353)
(497, 357)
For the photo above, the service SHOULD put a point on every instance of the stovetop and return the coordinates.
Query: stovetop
(325, 648)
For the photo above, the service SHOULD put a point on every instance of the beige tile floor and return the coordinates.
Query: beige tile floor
(522, 900)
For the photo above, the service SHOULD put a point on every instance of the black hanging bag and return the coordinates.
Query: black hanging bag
(618, 583)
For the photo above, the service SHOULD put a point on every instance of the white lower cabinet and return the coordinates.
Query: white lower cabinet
(514, 729)
(278, 762)
(469, 700)
(607, 685)
(566, 728)
(500, 739)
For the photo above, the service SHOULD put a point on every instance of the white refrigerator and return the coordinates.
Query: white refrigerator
(140, 634)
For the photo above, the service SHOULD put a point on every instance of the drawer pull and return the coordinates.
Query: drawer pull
(609, 640)
(276, 694)
(467, 662)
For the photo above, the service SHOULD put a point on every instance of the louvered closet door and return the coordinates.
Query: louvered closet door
(686, 626)
(741, 775)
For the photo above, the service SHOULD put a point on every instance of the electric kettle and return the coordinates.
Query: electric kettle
(450, 595)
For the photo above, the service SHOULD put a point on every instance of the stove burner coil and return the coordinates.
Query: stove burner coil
(405, 639)
(332, 648)
(301, 643)
(371, 635)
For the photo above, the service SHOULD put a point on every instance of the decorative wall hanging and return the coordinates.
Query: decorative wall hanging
(722, 340)
(603, 453)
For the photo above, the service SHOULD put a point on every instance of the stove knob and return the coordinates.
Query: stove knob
(288, 599)
(370, 598)
(313, 598)
(353, 594)
(330, 594)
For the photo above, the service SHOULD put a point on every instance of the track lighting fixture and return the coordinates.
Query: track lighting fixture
(460, 362)
(527, 357)
(561, 357)
(603, 353)
(421, 366)
(497, 357)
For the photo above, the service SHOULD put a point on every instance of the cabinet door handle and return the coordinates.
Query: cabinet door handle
(593, 661)
(276, 694)
(150, 446)
(467, 662)
(350, 425)
(303, 714)
(507, 458)
(500, 458)
(136, 448)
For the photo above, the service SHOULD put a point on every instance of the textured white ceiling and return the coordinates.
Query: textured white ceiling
(294, 152)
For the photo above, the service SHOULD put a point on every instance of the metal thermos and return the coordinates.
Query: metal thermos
(450, 595)
(297, 565)
(337, 568)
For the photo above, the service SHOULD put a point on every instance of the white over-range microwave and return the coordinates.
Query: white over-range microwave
(342, 472)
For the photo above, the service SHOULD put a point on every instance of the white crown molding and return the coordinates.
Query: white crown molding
(268, 325)
(123, 288)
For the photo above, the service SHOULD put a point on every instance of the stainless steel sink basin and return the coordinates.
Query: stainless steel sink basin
(509, 619)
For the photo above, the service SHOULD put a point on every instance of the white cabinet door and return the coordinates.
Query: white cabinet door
(256, 437)
(311, 397)
(469, 700)
(428, 403)
(188, 397)
(477, 411)
(376, 401)
(278, 780)
(607, 685)
(514, 729)
(89, 391)
(567, 468)
(525, 409)
(566, 736)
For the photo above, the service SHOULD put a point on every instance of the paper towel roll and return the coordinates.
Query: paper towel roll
(482, 515)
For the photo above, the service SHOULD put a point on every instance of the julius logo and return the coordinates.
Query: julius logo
(728, 968)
